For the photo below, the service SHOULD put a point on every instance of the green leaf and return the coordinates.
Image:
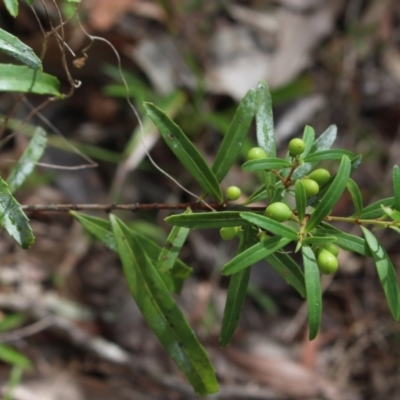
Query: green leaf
(386, 273)
(344, 240)
(374, 210)
(12, 321)
(393, 214)
(265, 164)
(319, 240)
(265, 119)
(170, 252)
(12, 7)
(11, 356)
(270, 225)
(314, 292)
(308, 138)
(233, 140)
(333, 154)
(323, 142)
(27, 161)
(12, 46)
(253, 254)
(237, 291)
(396, 187)
(289, 270)
(356, 196)
(332, 195)
(301, 200)
(101, 230)
(161, 312)
(185, 151)
(13, 219)
(207, 220)
(17, 78)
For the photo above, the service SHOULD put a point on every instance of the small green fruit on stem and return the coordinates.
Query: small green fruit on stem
(320, 175)
(327, 262)
(256, 153)
(233, 193)
(332, 248)
(228, 233)
(278, 211)
(310, 186)
(296, 147)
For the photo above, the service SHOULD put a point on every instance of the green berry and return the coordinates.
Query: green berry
(311, 187)
(228, 233)
(256, 153)
(327, 262)
(296, 147)
(278, 211)
(233, 193)
(320, 175)
(332, 248)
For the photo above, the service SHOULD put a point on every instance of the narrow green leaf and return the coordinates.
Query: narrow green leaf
(13, 219)
(12, 7)
(313, 290)
(265, 119)
(27, 161)
(270, 225)
(374, 210)
(344, 240)
(319, 240)
(12, 321)
(393, 214)
(289, 270)
(12, 46)
(333, 154)
(356, 196)
(396, 187)
(301, 200)
(17, 78)
(237, 291)
(101, 229)
(161, 312)
(233, 140)
(265, 132)
(170, 252)
(253, 254)
(323, 142)
(386, 273)
(207, 220)
(185, 151)
(265, 164)
(332, 195)
(308, 137)
(11, 356)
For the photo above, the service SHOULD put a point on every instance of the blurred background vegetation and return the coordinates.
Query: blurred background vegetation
(327, 62)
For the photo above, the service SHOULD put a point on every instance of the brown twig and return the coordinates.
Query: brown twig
(138, 207)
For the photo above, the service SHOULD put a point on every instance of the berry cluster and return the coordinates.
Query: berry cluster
(279, 211)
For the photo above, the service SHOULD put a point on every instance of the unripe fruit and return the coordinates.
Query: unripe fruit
(256, 153)
(320, 175)
(228, 233)
(311, 187)
(296, 147)
(327, 262)
(278, 211)
(332, 248)
(233, 193)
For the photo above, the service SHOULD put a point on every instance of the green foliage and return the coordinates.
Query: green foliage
(12, 46)
(298, 196)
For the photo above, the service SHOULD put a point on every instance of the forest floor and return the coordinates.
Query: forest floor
(326, 63)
